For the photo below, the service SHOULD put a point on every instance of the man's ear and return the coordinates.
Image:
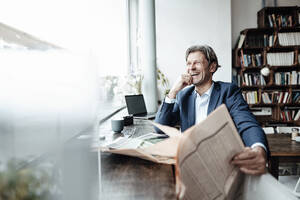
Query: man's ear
(213, 67)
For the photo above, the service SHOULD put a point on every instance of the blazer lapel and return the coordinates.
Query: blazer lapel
(214, 97)
(191, 109)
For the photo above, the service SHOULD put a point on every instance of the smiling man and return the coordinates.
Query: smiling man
(190, 105)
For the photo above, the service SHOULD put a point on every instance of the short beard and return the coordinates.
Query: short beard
(202, 81)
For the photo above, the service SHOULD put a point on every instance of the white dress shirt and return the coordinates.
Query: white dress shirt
(201, 104)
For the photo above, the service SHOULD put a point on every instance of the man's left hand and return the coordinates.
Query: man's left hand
(251, 161)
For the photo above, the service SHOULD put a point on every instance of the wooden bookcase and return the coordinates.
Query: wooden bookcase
(283, 16)
(272, 49)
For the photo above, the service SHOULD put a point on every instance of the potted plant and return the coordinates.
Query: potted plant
(163, 83)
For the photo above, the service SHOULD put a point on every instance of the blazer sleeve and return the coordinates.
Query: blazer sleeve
(246, 123)
(168, 114)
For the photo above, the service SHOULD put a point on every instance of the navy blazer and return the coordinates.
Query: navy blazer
(183, 111)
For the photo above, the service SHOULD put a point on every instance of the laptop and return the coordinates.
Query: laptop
(136, 106)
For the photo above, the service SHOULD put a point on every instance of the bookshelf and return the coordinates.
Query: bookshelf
(274, 17)
(266, 66)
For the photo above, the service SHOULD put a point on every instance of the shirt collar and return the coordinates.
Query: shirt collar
(208, 92)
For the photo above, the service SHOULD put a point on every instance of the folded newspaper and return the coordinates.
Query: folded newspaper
(151, 146)
(165, 150)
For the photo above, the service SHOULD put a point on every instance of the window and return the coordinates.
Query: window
(93, 27)
(112, 44)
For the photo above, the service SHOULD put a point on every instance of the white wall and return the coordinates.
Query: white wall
(244, 14)
(180, 24)
(288, 3)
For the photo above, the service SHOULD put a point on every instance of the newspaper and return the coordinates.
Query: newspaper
(203, 166)
(153, 147)
(133, 143)
(165, 151)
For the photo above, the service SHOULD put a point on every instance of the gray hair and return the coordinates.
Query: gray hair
(207, 51)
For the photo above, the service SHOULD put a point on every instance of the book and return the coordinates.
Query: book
(258, 59)
(290, 21)
(296, 97)
(285, 97)
(253, 60)
(261, 111)
(270, 20)
(280, 99)
(274, 20)
(246, 80)
(279, 21)
(245, 58)
(269, 130)
(297, 116)
(241, 40)
(242, 58)
(265, 40)
(275, 39)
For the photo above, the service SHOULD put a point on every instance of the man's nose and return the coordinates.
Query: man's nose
(192, 66)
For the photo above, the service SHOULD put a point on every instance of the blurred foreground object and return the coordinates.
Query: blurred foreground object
(48, 99)
(21, 183)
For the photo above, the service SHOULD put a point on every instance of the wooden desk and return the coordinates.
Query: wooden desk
(130, 178)
(125, 177)
(282, 149)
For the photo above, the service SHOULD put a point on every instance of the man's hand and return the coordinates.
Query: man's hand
(251, 161)
(182, 81)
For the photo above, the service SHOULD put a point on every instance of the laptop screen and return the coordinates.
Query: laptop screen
(135, 104)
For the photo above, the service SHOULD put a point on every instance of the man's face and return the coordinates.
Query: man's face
(198, 68)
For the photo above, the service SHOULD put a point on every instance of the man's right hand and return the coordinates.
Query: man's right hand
(181, 82)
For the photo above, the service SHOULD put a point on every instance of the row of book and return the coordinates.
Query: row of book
(260, 40)
(254, 79)
(255, 40)
(290, 115)
(289, 39)
(251, 97)
(287, 78)
(273, 59)
(275, 97)
(268, 40)
(280, 20)
(280, 59)
(252, 60)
